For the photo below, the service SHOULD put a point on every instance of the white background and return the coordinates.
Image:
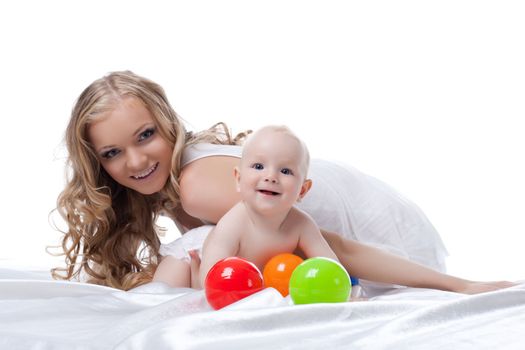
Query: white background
(427, 96)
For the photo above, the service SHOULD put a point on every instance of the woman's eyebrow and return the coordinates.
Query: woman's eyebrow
(103, 148)
(140, 128)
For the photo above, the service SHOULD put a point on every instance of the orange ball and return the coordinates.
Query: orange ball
(278, 270)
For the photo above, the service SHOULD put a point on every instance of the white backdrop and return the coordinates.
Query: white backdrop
(427, 96)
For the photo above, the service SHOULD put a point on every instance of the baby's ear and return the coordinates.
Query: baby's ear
(307, 184)
(237, 175)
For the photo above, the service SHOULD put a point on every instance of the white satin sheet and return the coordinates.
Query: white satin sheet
(45, 314)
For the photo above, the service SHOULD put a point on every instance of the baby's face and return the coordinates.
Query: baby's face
(272, 171)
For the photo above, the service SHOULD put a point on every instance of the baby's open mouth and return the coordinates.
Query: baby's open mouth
(268, 193)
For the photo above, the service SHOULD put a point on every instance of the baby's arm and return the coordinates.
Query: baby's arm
(311, 241)
(222, 242)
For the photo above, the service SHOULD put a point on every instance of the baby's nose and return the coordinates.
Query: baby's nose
(270, 178)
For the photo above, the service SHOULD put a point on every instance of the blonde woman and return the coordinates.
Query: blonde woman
(131, 160)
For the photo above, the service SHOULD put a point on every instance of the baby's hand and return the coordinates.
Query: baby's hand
(357, 294)
(352, 299)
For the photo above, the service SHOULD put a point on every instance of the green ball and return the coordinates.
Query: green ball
(320, 280)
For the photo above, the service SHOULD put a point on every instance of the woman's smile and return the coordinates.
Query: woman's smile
(145, 174)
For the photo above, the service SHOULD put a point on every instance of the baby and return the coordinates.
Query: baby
(270, 178)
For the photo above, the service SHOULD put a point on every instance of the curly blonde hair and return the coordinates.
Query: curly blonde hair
(111, 237)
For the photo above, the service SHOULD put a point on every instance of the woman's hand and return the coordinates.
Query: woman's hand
(195, 264)
(472, 287)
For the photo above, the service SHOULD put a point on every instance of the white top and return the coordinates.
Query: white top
(202, 150)
(358, 206)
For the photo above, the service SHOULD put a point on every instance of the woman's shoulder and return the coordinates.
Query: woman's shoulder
(202, 150)
(207, 182)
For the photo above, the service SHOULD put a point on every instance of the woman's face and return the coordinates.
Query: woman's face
(130, 148)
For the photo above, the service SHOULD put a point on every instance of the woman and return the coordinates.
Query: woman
(131, 160)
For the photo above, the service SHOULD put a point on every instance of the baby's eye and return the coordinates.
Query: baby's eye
(110, 154)
(258, 166)
(146, 134)
(286, 171)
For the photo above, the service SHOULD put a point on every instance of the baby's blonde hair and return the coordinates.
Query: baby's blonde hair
(285, 130)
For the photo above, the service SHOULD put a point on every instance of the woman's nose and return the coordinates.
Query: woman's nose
(136, 160)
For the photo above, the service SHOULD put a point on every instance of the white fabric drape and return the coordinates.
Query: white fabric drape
(38, 314)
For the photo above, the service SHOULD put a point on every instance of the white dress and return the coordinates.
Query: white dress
(345, 201)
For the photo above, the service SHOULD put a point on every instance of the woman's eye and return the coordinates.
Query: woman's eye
(146, 134)
(110, 154)
(286, 171)
(258, 166)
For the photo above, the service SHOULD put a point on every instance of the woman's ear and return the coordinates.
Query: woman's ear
(307, 184)
(237, 175)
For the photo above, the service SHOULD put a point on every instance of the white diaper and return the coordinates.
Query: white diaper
(191, 240)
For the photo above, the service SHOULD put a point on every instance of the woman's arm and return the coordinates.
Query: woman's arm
(178, 273)
(373, 264)
(174, 272)
(184, 221)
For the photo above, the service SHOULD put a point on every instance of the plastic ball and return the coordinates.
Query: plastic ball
(231, 279)
(320, 280)
(278, 270)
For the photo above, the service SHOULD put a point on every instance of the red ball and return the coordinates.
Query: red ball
(231, 279)
(278, 270)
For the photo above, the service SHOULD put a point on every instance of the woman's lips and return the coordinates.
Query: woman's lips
(146, 173)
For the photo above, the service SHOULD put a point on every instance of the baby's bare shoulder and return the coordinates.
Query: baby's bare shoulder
(299, 221)
(234, 222)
